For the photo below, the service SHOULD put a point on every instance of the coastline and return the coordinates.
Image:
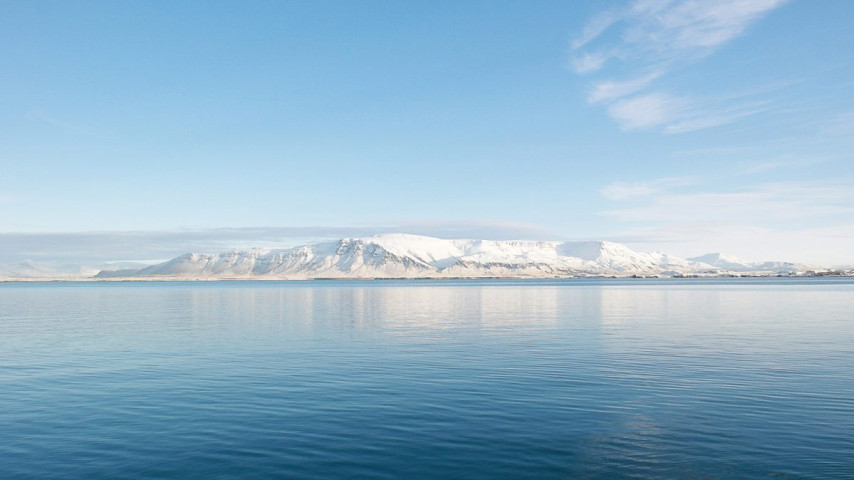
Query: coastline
(166, 279)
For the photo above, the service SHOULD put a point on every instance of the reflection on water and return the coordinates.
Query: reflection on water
(594, 379)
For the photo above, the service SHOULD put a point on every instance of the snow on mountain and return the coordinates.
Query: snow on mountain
(29, 269)
(414, 256)
(733, 264)
(721, 260)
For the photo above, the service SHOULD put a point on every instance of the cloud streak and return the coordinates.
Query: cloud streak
(608, 90)
(646, 111)
(769, 204)
(630, 190)
(807, 221)
(651, 38)
(89, 247)
(655, 31)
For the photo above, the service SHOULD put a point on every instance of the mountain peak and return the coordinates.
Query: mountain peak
(400, 255)
(722, 260)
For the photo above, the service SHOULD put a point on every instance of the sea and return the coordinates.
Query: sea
(429, 379)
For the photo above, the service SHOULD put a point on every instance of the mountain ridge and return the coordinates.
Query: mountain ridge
(414, 256)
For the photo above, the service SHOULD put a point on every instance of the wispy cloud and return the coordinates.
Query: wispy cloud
(596, 26)
(786, 162)
(827, 246)
(668, 25)
(840, 125)
(628, 190)
(765, 166)
(611, 90)
(130, 245)
(589, 61)
(808, 221)
(656, 37)
(762, 204)
(481, 229)
(661, 31)
(712, 114)
(646, 111)
(675, 114)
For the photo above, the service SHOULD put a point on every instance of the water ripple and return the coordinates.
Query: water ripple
(489, 380)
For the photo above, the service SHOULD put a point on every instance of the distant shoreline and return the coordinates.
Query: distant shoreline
(425, 279)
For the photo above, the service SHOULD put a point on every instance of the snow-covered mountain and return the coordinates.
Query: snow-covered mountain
(733, 264)
(54, 270)
(413, 256)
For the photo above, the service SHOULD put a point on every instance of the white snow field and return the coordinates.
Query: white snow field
(415, 256)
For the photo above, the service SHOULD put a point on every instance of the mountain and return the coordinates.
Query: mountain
(413, 256)
(733, 264)
(55, 270)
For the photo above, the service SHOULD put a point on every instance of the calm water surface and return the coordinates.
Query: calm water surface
(476, 380)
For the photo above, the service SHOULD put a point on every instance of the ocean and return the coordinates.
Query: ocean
(467, 379)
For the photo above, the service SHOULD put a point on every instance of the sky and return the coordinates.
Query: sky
(142, 130)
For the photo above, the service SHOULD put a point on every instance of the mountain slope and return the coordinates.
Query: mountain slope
(733, 264)
(50, 270)
(414, 256)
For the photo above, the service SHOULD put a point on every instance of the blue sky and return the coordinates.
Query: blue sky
(678, 125)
